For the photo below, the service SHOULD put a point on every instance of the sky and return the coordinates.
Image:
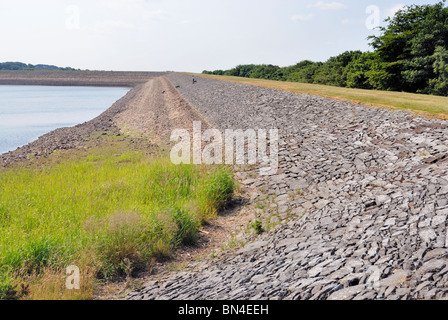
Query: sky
(186, 35)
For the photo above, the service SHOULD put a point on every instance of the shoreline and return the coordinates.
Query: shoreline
(65, 138)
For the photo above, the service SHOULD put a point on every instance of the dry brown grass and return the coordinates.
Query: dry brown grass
(50, 284)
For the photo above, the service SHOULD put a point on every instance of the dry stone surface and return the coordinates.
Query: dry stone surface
(364, 191)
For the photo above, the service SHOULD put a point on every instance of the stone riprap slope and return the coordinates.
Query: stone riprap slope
(364, 191)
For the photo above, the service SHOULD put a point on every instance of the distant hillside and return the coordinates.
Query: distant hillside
(24, 66)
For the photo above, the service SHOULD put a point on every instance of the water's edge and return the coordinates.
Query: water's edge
(28, 128)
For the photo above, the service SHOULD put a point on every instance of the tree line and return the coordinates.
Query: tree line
(24, 66)
(409, 54)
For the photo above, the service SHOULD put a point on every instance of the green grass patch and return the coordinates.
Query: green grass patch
(106, 212)
(426, 105)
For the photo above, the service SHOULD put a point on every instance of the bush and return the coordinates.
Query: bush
(188, 226)
(216, 192)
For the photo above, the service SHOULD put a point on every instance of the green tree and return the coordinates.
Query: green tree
(439, 85)
(406, 48)
(334, 71)
(240, 70)
(265, 71)
(305, 73)
(359, 71)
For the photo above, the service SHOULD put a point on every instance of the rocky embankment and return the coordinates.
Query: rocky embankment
(362, 193)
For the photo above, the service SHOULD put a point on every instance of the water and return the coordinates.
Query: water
(27, 112)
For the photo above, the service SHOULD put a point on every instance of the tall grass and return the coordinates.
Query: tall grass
(109, 215)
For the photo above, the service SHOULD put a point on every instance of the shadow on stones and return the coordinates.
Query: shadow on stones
(233, 205)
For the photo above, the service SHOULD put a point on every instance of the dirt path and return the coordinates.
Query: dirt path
(156, 110)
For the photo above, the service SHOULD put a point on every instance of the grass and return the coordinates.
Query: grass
(257, 226)
(108, 210)
(426, 105)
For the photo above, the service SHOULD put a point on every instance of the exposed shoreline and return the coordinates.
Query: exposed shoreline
(73, 137)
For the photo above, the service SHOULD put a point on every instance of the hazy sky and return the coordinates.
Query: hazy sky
(186, 35)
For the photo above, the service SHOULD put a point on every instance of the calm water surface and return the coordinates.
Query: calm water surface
(27, 112)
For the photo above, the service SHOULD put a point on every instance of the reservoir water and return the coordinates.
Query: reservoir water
(27, 112)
